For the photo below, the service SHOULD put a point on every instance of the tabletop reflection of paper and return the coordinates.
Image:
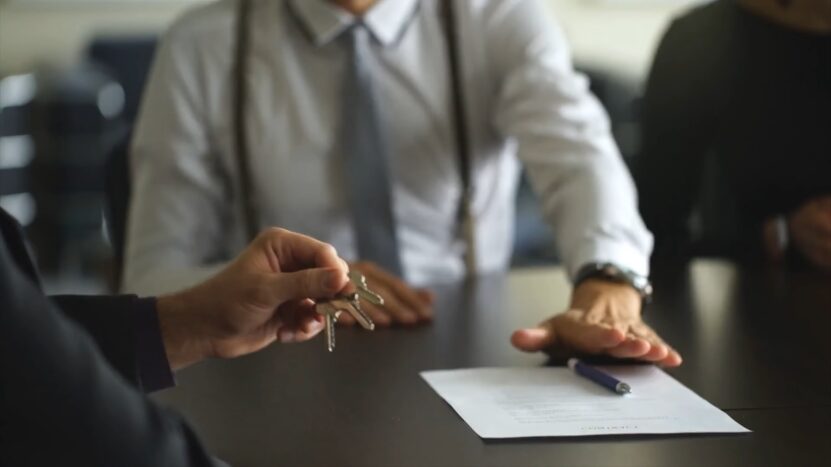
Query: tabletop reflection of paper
(553, 401)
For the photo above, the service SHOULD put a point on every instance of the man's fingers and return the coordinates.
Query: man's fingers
(630, 348)
(309, 328)
(822, 223)
(308, 283)
(603, 337)
(401, 302)
(659, 349)
(345, 319)
(657, 353)
(400, 299)
(298, 322)
(673, 359)
(377, 315)
(296, 251)
(398, 310)
(426, 296)
(566, 330)
(533, 339)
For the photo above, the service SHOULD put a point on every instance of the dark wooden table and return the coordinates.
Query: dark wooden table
(756, 344)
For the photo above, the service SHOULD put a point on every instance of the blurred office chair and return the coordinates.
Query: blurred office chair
(128, 60)
(78, 111)
(17, 147)
(118, 189)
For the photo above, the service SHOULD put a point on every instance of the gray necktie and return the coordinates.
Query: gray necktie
(365, 160)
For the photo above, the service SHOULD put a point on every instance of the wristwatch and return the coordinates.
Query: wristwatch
(614, 273)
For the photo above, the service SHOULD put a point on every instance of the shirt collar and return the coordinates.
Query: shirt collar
(324, 21)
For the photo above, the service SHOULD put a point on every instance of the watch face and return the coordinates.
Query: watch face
(610, 271)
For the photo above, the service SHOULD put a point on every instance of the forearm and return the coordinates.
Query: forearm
(565, 143)
(64, 404)
(591, 206)
(181, 330)
(126, 330)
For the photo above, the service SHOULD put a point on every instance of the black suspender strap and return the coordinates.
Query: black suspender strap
(246, 192)
(467, 222)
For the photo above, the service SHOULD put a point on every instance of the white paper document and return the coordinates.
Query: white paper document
(552, 401)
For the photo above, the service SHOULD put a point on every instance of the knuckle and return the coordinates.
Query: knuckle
(329, 250)
(271, 232)
(307, 283)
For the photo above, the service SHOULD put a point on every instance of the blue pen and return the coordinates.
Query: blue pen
(607, 381)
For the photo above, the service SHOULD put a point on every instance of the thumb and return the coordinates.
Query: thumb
(308, 283)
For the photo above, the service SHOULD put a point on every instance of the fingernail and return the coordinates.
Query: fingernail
(286, 336)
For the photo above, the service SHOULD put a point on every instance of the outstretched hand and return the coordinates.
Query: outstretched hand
(604, 319)
(810, 228)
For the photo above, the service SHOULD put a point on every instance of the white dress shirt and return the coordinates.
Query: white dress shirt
(524, 104)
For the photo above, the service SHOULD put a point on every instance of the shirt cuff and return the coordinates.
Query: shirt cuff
(620, 254)
(153, 368)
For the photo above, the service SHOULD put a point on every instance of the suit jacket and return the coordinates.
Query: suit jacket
(72, 373)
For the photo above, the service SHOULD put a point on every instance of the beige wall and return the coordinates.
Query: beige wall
(618, 33)
(56, 33)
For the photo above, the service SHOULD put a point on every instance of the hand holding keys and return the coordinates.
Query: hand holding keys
(331, 309)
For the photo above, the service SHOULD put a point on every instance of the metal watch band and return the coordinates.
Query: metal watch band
(612, 272)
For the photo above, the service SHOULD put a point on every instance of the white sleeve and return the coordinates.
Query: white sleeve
(175, 231)
(564, 141)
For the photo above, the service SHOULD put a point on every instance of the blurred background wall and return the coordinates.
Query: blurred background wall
(620, 33)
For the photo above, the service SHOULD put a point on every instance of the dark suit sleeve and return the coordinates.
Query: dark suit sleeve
(676, 134)
(62, 403)
(126, 330)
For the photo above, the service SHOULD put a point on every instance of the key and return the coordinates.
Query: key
(362, 290)
(330, 314)
(358, 313)
(351, 304)
(331, 310)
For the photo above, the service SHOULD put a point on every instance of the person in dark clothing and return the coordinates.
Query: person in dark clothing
(73, 369)
(742, 89)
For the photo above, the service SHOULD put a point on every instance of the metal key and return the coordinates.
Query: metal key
(332, 309)
(362, 290)
(358, 313)
(330, 313)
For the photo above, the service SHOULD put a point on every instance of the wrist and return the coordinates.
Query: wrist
(591, 291)
(613, 274)
(184, 340)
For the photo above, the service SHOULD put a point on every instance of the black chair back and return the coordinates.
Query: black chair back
(117, 186)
